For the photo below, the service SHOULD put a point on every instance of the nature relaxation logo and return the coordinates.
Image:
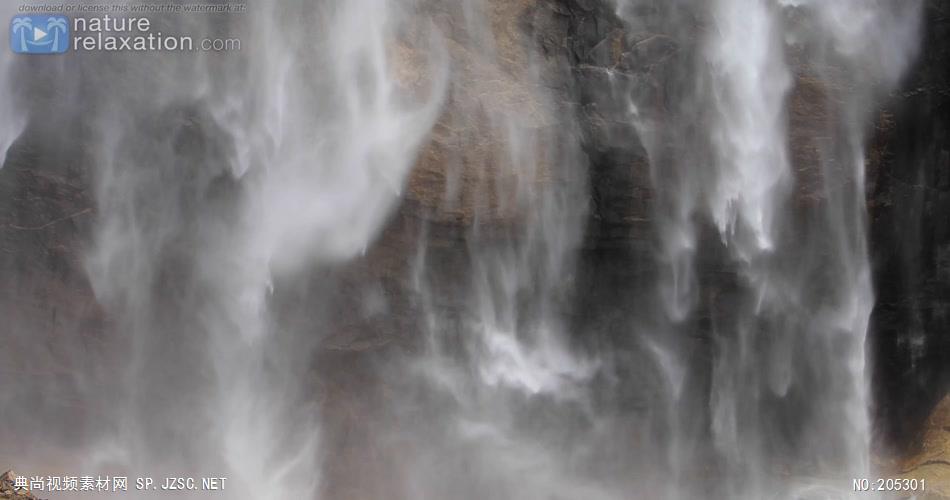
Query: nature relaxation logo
(39, 34)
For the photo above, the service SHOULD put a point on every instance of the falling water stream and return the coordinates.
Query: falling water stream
(233, 190)
(13, 122)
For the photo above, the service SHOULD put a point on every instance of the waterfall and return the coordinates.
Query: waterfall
(14, 116)
(498, 347)
(452, 250)
(217, 178)
(788, 374)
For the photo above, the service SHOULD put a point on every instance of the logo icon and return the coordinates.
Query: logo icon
(39, 34)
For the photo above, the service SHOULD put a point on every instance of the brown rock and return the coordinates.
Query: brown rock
(7, 490)
(932, 462)
(468, 169)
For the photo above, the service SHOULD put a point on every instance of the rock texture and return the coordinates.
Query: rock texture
(909, 204)
(9, 490)
(930, 461)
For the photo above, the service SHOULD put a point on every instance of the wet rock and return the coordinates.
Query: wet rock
(908, 204)
(468, 169)
(931, 463)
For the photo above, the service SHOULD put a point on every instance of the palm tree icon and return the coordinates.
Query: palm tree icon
(21, 25)
(56, 25)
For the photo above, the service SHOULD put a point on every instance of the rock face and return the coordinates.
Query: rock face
(909, 205)
(48, 308)
(467, 170)
(931, 459)
(9, 490)
(464, 180)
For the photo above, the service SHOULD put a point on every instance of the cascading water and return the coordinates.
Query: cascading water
(442, 249)
(218, 177)
(788, 384)
(505, 355)
(14, 118)
(313, 140)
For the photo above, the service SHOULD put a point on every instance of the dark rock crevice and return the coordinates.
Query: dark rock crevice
(909, 209)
